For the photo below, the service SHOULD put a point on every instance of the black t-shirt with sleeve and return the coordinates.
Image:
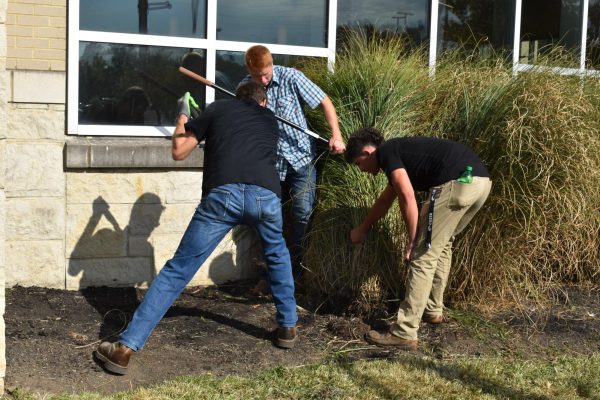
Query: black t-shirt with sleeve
(428, 161)
(240, 144)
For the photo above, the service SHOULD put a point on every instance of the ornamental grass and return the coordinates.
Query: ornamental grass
(539, 135)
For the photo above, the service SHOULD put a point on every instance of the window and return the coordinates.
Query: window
(593, 35)
(551, 28)
(124, 54)
(482, 25)
(408, 19)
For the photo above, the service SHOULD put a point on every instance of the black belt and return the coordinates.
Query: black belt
(435, 193)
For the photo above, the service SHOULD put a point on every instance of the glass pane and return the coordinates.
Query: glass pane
(291, 22)
(231, 69)
(593, 35)
(552, 29)
(185, 18)
(134, 85)
(485, 26)
(406, 18)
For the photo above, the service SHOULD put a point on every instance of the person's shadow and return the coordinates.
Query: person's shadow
(113, 262)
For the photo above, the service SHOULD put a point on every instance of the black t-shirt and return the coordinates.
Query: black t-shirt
(241, 144)
(428, 161)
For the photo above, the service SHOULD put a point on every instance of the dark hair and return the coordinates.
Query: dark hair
(251, 90)
(361, 138)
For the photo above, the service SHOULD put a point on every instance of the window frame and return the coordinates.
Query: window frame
(210, 45)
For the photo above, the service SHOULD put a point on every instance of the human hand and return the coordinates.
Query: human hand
(187, 106)
(357, 236)
(336, 146)
(100, 206)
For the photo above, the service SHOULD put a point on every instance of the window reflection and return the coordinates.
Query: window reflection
(291, 22)
(231, 69)
(408, 19)
(551, 28)
(186, 18)
(483, 25)
(593, 35)
(133, 85)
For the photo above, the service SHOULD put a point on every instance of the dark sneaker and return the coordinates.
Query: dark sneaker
(114, 356)
(386, 339)
(434, 319)
(286, 337)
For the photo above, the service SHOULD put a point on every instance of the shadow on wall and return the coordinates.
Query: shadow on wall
(121, 258)
(247, 252)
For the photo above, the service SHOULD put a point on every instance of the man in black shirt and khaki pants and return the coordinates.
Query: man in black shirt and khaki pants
(422, 164)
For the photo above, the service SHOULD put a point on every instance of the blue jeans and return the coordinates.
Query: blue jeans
(223, 208)
(300, 188)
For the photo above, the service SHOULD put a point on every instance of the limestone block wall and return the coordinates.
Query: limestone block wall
(3, 112)
(121, 227)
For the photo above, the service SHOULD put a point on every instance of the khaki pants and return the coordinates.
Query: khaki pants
(456, 205)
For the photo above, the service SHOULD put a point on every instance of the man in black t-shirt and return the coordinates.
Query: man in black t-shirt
(240, 186)
(422, 164)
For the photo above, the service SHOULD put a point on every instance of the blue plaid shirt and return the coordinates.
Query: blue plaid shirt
(288, 92)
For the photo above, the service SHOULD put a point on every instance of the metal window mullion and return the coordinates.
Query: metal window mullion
(73, 69)
(211, 49)
(331, 33)
(584, 26)
(517, 36)
(144, 40)
(433, 33)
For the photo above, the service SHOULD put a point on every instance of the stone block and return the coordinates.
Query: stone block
(184, 187)
(34, 170)
(176, 217)
(35, 263)
(114, 271)
(27, 84)
(35, 218)
(91, 234)
(116, 187)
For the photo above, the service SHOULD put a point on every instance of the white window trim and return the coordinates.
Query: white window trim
(211, 45)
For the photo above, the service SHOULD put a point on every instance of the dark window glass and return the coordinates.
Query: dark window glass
(185, 18)
(551, 28)
(483, 26)
(408, 19)
(231, 69)
(593, 35)
(134, 85)
(290, 22)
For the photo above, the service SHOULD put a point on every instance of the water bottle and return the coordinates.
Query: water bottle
(467, 175)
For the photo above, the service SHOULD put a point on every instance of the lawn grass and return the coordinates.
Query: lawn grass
(405, 377)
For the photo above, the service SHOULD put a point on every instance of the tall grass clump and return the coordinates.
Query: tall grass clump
(538, 133)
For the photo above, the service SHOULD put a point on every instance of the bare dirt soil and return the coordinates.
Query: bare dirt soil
(51, 334)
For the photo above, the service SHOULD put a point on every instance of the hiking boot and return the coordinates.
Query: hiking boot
(114, 356)
(386, 339)
(286, 337)
(434, 319)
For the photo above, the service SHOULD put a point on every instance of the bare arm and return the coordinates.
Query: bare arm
(336, 143)
(408, 206)
(183, 142)
(377, 211)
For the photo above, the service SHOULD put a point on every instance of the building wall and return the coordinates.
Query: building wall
(3, 112)
(70, 221)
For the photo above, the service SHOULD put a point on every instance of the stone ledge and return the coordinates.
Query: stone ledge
(93, 152)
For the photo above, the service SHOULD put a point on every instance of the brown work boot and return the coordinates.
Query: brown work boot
(434, 319)
(114, 356)
(386, 339)
(286, 337)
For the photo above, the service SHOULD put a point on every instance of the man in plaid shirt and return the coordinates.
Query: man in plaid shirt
(288, 91)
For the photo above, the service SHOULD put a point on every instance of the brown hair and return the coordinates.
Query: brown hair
(251, 90)
(258, 57)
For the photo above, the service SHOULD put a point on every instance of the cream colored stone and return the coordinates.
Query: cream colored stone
(115, 187)
(184, 187)
(31, 123)
(35, 263)
(114, 271)
(176, 217)
(27, 85)
(90, 234)
(34, 170)
(35, 218)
